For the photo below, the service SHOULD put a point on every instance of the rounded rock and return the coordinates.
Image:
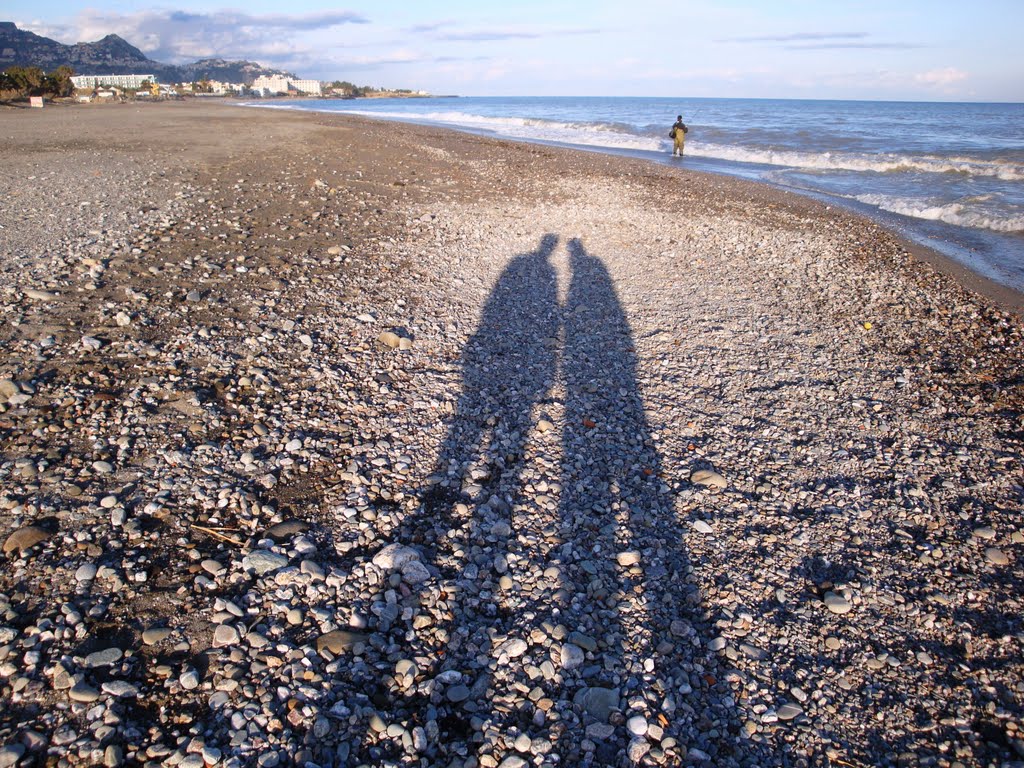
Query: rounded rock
(25, 538)
(996, 556)
(189, 679)
(637, 725)
(837, 603)
(626, 559)
(224, 635)
(789, 712)
(572, 656)
(708, 478)
(83, 693)
(155, 635)
(11, 754)
(120, 689)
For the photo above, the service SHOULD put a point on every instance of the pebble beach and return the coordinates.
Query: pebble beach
(326, 442)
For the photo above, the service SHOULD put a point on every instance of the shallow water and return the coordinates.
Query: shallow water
(948, 175)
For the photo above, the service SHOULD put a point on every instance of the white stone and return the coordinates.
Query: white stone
(708, 478)
(572, 656)
(395, 556)
(637, 725)
(224, 635)
(34, 293)
(837, 603)
(626, 559)
(414, 572)
(513, 648)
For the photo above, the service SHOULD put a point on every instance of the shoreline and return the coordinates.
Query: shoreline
(1004, 294)
(1001, 295)
(347, 445)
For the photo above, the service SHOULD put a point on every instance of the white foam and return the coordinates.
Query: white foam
(951, 213)
(587, 134)
(971, 212)
(884, 163)
(618, 136)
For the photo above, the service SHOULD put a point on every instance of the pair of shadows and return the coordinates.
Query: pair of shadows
(562, 519)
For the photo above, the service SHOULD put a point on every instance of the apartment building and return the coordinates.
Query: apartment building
(117, 81)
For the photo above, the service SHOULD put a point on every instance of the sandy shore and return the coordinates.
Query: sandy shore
(330, 442)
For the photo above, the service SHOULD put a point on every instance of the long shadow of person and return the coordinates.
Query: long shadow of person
(639, 677)
(508, 367)
(572, 632)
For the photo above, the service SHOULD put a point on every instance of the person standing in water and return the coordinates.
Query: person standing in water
(678, 133)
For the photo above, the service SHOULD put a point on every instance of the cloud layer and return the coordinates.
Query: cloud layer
(176, 37)
(741, 50)
(797, 37)
(821, 41)
(491, 35)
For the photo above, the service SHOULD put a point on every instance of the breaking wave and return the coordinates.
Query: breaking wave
(951, 213)
(829, 161)
(622, 136)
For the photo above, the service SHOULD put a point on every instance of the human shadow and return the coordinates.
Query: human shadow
(554, 545)
(465, 527)
(651, 667)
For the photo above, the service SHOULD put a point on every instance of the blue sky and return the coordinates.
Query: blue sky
(885, 49)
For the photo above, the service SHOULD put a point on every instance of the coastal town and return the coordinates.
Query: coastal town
(35, 69)
(146, 86)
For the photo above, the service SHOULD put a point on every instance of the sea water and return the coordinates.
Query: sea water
(948, 175)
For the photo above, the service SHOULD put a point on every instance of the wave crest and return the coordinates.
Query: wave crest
(951, 213)
(613, 135)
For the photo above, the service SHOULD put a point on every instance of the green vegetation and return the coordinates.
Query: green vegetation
(344, 86)
(18, 82)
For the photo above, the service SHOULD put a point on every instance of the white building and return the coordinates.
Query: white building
(118, 81)
(272, 85)
(308, 87)
(222, 89)
(276, 84)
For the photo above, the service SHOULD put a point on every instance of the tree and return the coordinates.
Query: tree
(31, 81)
(27, 81)
(60, 84)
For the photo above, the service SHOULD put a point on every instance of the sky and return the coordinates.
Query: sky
(921, 50)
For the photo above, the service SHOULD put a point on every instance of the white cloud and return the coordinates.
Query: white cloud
(176, 37)
(941, 78)
(509, 33)
(402, 56)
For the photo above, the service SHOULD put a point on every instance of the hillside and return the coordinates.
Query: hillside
(228, 71)
(114, 56)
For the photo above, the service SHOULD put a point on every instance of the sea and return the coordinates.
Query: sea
(947, 175)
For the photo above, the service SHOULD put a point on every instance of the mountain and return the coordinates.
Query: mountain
(115, 56)
(226, 71)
